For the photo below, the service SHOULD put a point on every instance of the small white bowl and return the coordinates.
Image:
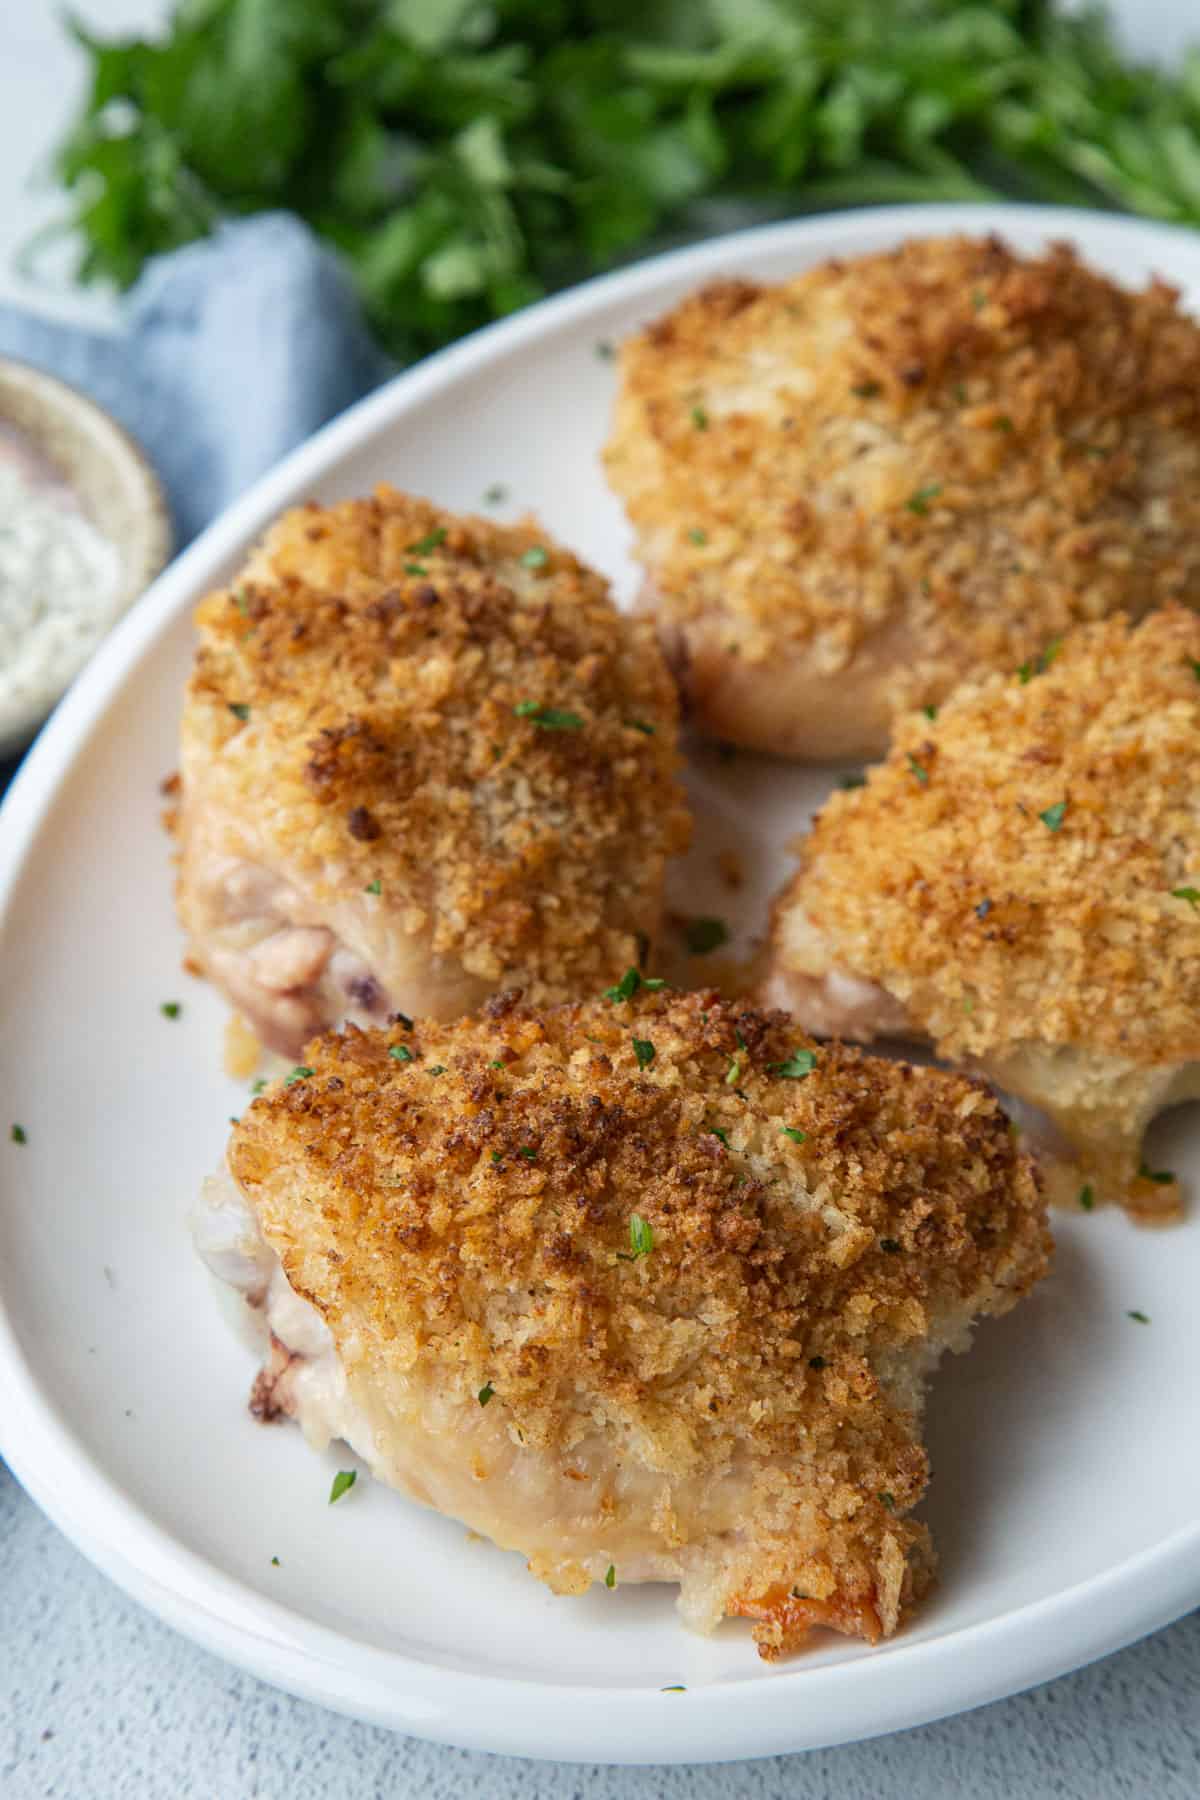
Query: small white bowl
(116, 487)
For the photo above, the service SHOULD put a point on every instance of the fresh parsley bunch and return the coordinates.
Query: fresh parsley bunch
(466, 156)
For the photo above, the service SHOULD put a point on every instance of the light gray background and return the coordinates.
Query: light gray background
(100, 1702)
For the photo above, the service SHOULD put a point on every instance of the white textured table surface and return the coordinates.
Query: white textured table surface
(100, 1702)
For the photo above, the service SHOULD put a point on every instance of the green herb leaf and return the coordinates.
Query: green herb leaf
(1054, 815)
(1037, 665)
(866, 390)
(19, 1135)
(644, 1051)
(918, 502)
(931, 712)
(1141, 1317)
(699, 418)
(888, 1500)
(437, 1069)
(415, 569)
(797, 1137)
(1162, 1177)
(640, 725)
(1190, 894)
(641, 1239)
(343, 1481)
(703, 935)
(1087, 1197)
(850, 782)
(630, 982)
(548, 718)
(300, 1073)
(400, 1053)
(374, 887)
(921, 773)
(799, 1064)
(527, 1151)
(170, 1009)
(697, 536)
(239, 710)
(430, 542)
(485, 1393)
(275, 1564)
(717, 1132)
(535, 557)
(610, 1579)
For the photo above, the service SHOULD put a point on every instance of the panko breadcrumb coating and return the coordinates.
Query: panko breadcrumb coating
(853, 488)
(644, 1288)
(1020, 883)
(424, 758)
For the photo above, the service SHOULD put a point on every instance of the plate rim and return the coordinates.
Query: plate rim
(905, 1685)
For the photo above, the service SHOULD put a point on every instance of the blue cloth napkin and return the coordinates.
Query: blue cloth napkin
(232, 352)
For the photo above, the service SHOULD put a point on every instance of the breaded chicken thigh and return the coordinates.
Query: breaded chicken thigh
(854, 488)
(1019, 884)
(423, 758)
(647, 1288)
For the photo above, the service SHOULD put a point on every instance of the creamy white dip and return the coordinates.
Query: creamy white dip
(60, 582)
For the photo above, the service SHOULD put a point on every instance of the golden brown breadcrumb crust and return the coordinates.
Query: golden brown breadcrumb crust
(955, 881)
(950, 441)
(811, 1234)
(370, 694)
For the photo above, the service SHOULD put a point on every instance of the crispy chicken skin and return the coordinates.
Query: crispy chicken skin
(852, 489)
(673, 1320)
(423, 758)
(1019, 883)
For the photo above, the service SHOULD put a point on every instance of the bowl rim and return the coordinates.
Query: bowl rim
(798, 1708)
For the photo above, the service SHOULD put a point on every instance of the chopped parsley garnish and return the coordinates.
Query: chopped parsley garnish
(497, 1064)
(644, 1051)
(485, 1393)
(630, 982)
(429, 542)
(415, 569)
(921, 773)
(852, 781)
(703, 935)
(170, 1009)
(1087, 1197)
(275, 1562)
(343, 1481)
(19, 1135)
(799, 1064)
(256, 1087)
(978, 299)
(641, 1240)
(548, 718)
(400, 1052)
(1162, 1177)
(240, 710)
(817, 1362)
(374, 887)
(1141, 1317)
(888, 1500)
(1195, 667)
(1190, 894)
(640, 725)
(610, 1580)
(866, 390)
(1002, 422)
(733, 1073)
(495, 495)
(241, 602)
(699, 418)
(300, 1073)
(1037, 665)
(698, 536)
(797, 1136)
(527, 1151)
(717, 1132)
(919, 502)
(930, 713)
(890, 1246)
(437, 1069)
(1054, 815)
(536, 557)
(497, 1159)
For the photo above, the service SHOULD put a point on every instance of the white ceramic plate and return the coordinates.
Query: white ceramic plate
(1066, 1472)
